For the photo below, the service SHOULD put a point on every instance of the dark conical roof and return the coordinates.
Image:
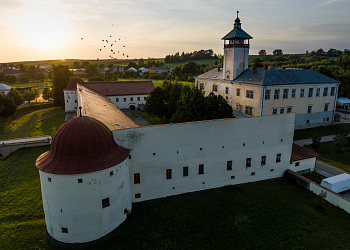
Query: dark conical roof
(237, 32)
(81, 145)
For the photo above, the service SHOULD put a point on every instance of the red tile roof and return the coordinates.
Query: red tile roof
(72, 84)
(120, 88)
(301, 153)
(81, 145)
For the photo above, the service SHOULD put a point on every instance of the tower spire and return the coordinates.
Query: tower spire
(237, 24)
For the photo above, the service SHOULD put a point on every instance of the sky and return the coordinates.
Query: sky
(53, 29)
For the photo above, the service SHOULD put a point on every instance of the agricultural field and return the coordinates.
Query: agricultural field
(36, 84)
(274, 214)
(36, 119)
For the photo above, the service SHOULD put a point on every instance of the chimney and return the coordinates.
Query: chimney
(270, 67)
(218, 68)
(283, 68)
(254, 69)
(265, 67)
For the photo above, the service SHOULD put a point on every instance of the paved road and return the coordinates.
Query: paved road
(309, 141)
(137, 119)
(28, 139)
(320, 166)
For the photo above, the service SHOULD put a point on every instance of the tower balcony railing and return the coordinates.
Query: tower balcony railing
(236, 45)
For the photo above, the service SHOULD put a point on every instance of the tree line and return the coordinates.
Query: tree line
(175, 102)
(192, 56)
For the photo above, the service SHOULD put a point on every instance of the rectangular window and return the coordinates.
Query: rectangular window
(229, 165)
(237, 107)
(76, 101)
(49, 179)
(124, 99)
(226, 90)
(248, 162)
(111, 173)
(302, 93)
(297, 164)
(138, 195)
(80, 180)
(139, 98)
(168, 174)
(64, 230)
(332, 91)
(137, 178)
(263, 160)
(249, 94)
(309, 109)
(267, 94)
(294, 93)
(274, 111)
(318, 92)
(238, 93)
(252, 173)
(226, 98)
(201, 85)
(249, 110)
(326, 106)
(277, 94)
(285, 93)
(311, 92)
(185, 171)
(278, 158)
(145, 98)
(325, 91)
(201, 169)
(131, 99)
(289, 109)
(105, 203)
(116, 99)
(215, 88)
(281, 110)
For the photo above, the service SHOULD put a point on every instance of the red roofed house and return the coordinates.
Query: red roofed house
(123, 94)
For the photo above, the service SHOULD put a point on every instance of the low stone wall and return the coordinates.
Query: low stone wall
(331, 197)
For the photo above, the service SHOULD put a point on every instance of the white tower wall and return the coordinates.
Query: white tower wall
(235, 62)
(70, 100)
(78, 206)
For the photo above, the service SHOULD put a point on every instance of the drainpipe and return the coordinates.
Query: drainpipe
(262, 100)
(335, 102)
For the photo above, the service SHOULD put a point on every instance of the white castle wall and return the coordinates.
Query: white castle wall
(70, 100)
(155, 149)
(78, 206)
(124, 102)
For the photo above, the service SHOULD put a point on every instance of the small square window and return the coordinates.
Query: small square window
(116, 99)
(64, 230)
(124, 99)
(250, 94)
(49, 179)
(137, 178)
(139, 98)
(307, 121)
(168, 174)
(201, 85)
(201, 169)
(297, 164)
(131, 99)
(248, 162)
(252, 173)
(263, 160)
(232, 177)
(111, 173)
(278, 158)
(105, 203)
(281, 110)
(185, 171)
(271, 170)
(274, 111)
(229, 165)
(80, 180)
(249, 110)
(289, 109)
(215, 88)
(327, 119)
(138, 195)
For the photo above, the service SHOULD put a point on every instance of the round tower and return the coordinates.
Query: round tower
(236, 51)
(84, 182)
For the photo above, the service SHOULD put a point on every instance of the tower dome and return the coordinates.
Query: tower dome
(81, 145)
(72, 84)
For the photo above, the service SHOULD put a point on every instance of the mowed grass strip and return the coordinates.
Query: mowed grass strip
(329, 155)
(308, 133)
(274, 214)
(35, 120)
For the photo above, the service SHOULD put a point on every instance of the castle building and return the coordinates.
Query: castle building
(266, 91)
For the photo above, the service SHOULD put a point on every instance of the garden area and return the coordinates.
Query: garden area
(275, 214)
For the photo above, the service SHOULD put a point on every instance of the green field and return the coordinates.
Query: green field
(32, 120)
(301, 134)
(329, 155)
(35, 84)
(274, 214)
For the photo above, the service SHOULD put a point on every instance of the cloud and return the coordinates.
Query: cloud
(327, 2)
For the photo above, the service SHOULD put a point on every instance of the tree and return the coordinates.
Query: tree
(320, 51)
(277, 52)
(16, 96)
(23, 78)
(262, 52)
(342, 140)
(7, 105)
(316, 142)
(257, 62)
(40, 76)
(91, 70)
(155, 104)
(47, 94)
(60, 79)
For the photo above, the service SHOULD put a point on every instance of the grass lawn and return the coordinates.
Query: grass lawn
(322, 131)
(153, 120)
(35, 84)
(273, 214)
(330, 156)
(36, 119)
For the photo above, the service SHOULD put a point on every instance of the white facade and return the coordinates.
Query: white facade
(126, 102)
(70, 100)
(74, 211)
(156, 149)
(235, 61)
